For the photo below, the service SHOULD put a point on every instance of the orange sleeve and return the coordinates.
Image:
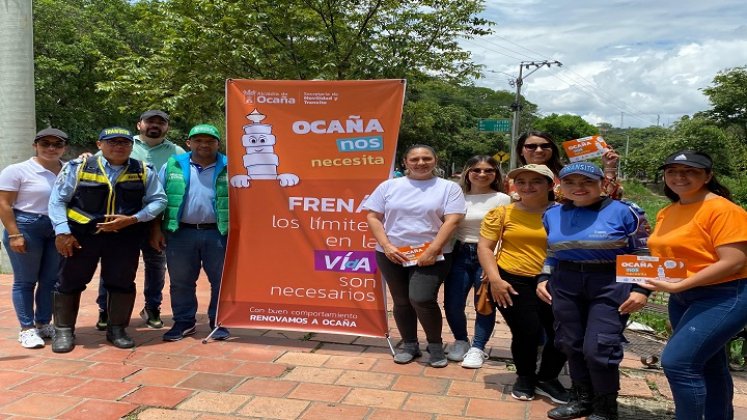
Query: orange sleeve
(728, 225)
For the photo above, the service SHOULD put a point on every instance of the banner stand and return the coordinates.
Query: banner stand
(217, 325)
(389, 341)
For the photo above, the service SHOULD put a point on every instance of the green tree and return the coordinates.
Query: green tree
(728, 153)
(728, 96)
(445, 116)
(71, 40)
(564, 127)
(204, 42)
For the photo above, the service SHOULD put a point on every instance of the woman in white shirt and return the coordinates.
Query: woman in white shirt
(29, 236)
(412, 210)
(481, 183)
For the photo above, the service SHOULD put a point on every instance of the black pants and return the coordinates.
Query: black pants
(119, 253)
(527, 319)
(590, 327)
(414, 293)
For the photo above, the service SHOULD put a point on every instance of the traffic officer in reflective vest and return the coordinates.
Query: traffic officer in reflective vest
(97, 207)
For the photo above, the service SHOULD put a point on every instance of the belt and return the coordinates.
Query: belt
(587, 267)
(199, 226)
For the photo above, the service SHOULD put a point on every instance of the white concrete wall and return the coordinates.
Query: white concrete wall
(17, 120)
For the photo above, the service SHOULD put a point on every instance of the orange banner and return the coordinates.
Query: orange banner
(639, 268)
(302, 158)
(585, 148)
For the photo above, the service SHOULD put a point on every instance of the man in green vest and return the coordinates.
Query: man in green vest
(196, 227)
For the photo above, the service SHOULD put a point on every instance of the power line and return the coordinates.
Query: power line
(587, 85)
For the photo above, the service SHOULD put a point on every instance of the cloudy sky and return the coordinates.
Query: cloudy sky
(647, 59)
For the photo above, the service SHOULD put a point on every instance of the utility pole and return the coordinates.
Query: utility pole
(16, 87)
(516, 106)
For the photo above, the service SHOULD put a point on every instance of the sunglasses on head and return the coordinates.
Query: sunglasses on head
(488, 171)
(543, 146)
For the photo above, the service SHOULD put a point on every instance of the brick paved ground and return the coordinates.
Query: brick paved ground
(271, 374)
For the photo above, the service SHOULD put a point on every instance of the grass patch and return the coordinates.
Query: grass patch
(648, 200)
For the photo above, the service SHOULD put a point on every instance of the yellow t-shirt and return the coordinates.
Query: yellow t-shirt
(524, 242)
(693, 231)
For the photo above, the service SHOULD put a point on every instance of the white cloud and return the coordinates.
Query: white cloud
(646, 59)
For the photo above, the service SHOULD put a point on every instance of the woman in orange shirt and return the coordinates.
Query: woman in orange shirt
(706, 309)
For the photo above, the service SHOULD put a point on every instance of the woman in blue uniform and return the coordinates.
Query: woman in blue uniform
(584, 237)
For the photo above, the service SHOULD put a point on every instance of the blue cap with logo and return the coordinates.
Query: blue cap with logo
(115, 133)
(582, 168)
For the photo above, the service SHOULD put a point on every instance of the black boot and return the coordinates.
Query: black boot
(605, 407)
(579, 405)
(65, 313)
(120, 307)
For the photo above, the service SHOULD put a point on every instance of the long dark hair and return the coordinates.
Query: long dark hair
(466, 184)
(712, 185)
(554, 163)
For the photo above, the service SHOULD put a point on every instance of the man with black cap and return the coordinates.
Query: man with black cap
(150, 146)
(196, 225)
(99, 206)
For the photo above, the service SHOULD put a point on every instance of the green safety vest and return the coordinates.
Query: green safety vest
(177, 181)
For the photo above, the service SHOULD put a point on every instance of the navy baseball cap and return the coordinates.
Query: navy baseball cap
(115, 133)
(582, 168)
(689, 158)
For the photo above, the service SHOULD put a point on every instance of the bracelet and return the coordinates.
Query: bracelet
(17, 235)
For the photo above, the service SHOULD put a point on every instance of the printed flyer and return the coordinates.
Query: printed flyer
(302, 158)
(639, 268)
(585, 148)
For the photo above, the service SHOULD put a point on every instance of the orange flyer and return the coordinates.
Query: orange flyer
(639, 268)
(585, 148)
(413, 252)
(303, 156)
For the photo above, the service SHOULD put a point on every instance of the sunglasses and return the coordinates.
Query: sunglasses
(119, 142)
(488, 171)
(48, 145)
(543, 146)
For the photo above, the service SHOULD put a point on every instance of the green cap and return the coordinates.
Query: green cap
(208, 129)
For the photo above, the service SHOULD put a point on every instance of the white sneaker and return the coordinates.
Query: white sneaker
(474, 358)
(458, 350)
(46, 331)
(30, 339)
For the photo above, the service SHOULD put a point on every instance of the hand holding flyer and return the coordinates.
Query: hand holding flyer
(638, 269)
(413, 252)
(585, 148)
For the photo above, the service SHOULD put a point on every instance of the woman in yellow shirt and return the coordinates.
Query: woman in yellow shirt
(512, 276)
(706, 309)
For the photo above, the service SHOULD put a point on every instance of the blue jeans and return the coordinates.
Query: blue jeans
(35, 269)
(188, 250)
(694, 360)
(155, 278)
(465, 275)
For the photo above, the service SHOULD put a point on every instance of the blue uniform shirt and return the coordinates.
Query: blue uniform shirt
(154, 201)
(199, 198)
(593, 234)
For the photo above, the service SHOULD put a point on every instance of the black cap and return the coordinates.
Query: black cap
(51, 132)
(154, 113)
(689, 158)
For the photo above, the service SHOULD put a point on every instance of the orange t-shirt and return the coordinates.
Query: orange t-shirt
(694, 231)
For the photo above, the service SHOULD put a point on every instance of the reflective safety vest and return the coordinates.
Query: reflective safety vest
(95, 197)
(177, 177)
